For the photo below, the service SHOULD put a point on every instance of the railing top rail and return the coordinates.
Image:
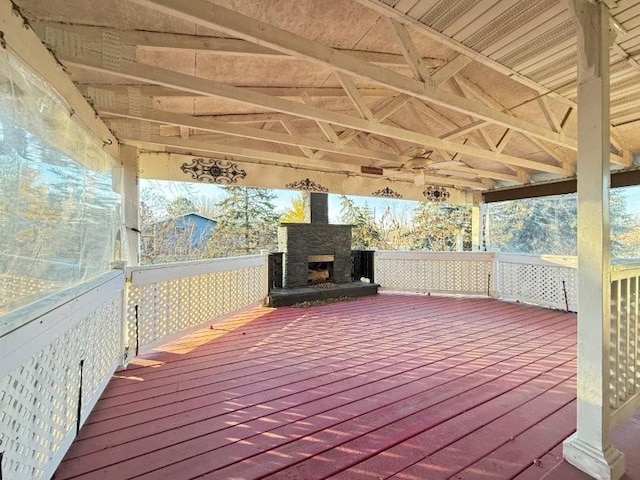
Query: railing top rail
(625, 269)
(425, 255)
(29, 313)
(547, 260)
(145, 274)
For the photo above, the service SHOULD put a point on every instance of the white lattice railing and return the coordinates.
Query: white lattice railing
(547, 280)
(57, 356)
(469, 273)
(625, 334)
(165, 300)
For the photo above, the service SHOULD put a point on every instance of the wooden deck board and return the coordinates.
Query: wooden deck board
(388, 385)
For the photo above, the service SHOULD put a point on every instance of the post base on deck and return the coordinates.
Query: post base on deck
(601, 465)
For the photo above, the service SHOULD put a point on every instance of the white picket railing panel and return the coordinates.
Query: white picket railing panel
(166, 300)
(624, 350)
(549, 280)
(470, 273)
(40, 373)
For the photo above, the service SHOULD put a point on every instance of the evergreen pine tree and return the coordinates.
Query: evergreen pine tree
(247, 223)
(365, 232)
(441, 227)
(549, 225)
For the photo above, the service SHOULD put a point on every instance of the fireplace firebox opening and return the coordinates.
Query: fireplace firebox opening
(320, 269)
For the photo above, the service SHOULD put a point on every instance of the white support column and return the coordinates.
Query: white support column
(131, 203)
(478, 212)
(589, 449)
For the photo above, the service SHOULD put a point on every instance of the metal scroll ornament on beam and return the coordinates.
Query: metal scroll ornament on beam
(213, 170)
(386, 192)
(436, 194)
(307, 185)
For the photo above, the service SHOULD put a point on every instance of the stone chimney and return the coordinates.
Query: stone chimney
(316, 207)
(317, 241)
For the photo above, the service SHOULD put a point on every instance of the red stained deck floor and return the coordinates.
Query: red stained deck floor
(392, 386)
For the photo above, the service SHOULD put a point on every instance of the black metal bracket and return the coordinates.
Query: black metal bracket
(79, 417)
(136, 309)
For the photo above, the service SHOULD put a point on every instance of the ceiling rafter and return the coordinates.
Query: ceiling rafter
(548, 115)
(219, 18)
(489, 174)
(480, 130)
(353, 94)
(484, 96)
(388, 11)
(201, 143)
(147, 73)
(380, 114)
(214, 126)
(298, 92)
(409, 50)
(196, 43)
(291, 130)
(451, 68)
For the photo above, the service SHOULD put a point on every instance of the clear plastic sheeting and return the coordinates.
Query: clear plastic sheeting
(59, 213)
(548, 225)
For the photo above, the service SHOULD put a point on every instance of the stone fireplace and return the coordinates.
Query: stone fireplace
(315, 252)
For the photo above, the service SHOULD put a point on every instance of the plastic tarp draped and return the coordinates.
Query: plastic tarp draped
(59, 213)
(548, 225)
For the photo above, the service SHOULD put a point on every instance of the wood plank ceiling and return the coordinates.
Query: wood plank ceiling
(487, 86)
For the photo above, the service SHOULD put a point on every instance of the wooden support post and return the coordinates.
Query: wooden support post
(478, 211)
(130, 203)
(589, 449)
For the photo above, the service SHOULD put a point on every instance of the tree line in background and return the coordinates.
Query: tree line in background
(247, 222)
(549, 225)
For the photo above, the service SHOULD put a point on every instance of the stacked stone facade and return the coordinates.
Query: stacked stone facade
(300, 240)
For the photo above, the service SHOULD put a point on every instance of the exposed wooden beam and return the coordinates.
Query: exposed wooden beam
(389, 11)
(548, 115)
(379, 115)
(426, 128)
(619, 179)
(329, 132)
(168, 78)
(291, 130)
(506, 136)
(409, 50)
(208, 125)
(203, 144)
(548, 150)
(450, 69)
(489, 100)
(196, 43)
(487, 173)
(355, 97)
(293, 92)
(167, 166)
(213, 16)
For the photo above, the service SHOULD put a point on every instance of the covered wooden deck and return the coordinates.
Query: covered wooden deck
(401, 386)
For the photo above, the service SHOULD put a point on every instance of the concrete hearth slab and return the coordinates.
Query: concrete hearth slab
(282, 297)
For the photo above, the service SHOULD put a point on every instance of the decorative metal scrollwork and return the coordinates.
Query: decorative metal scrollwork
(213, 170)
(386, 192)
(306, 185)
(436, 194)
